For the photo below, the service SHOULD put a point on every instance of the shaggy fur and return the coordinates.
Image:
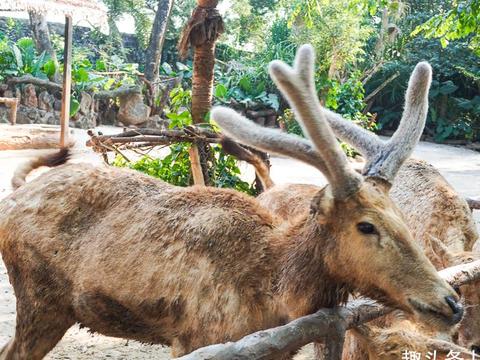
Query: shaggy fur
(393, 342)
(130, 256)
(434, 212)
(433, 208)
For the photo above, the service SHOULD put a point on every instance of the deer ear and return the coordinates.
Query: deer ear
(322, 202)
(439, 250)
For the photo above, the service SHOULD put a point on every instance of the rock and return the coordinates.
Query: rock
(8, 94)
(45, 101)
(86, 103)
(132, 110)
(88, 121)
(156, 122)
(30, 96)
(57, 105)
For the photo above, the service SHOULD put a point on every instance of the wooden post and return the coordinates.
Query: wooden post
(12, 103)
(197, 173)
(67, 82)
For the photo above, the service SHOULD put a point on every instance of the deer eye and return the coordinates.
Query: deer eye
(366, 228)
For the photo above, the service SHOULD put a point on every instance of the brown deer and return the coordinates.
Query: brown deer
(431, 207)
(387, 339)
(127, 255)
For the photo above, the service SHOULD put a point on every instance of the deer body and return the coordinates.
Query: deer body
(77, 264)
(130, 256)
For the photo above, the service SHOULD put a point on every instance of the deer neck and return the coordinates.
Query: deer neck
(303, 282)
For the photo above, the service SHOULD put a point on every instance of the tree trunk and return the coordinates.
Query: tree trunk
(201, 32)
(41, 37)
(202, 81)
(153, 55)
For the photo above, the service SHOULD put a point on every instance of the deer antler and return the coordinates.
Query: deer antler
(270, 140)
(385, 158)
(298, 87)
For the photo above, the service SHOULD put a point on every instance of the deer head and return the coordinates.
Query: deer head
(469, 329)
(365, 244)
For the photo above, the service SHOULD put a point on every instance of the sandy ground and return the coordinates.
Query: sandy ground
(461, 167)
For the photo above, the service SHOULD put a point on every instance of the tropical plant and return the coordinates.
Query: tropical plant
(20, 58)
(460, 20)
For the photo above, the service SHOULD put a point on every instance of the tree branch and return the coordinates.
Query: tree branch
(121, 91)
(380, 88)
(29, 79)
(271, 343)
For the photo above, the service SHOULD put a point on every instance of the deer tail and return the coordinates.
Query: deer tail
(50, 160)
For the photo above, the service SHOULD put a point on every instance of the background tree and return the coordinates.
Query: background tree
(153, 54)
(41, 37)
(460, 20)
(201, 33)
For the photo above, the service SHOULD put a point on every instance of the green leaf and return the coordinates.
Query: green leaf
(49, 68)
(220, 91)
(245, 84)
(167, 68)
(74, 106)
(81, 75)
(18, 56)
(100, 65)
(448, 87)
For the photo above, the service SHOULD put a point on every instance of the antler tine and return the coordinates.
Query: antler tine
(269, 140)
(395, 151)
(364, 141)
(298, 87)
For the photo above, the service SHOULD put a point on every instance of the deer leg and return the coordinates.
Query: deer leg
(36, 333)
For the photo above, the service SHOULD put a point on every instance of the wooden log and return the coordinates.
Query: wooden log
(67, 82)
(272, 343)
(121, 91)
(29, 79)
(21, 137)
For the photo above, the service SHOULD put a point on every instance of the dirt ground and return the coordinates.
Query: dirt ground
(461, 167)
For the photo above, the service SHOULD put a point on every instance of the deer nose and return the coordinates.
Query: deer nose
(457, 309)
(475, 349)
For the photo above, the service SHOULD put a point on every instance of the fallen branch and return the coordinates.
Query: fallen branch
(381, 87)
(121, 91)
(272, 343)
(149, 137)
(29, 79)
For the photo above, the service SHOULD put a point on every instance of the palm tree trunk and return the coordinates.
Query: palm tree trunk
(202, 81)
(41, 37)
(201, 33)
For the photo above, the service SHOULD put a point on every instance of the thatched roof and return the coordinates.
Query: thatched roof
(92, 11)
